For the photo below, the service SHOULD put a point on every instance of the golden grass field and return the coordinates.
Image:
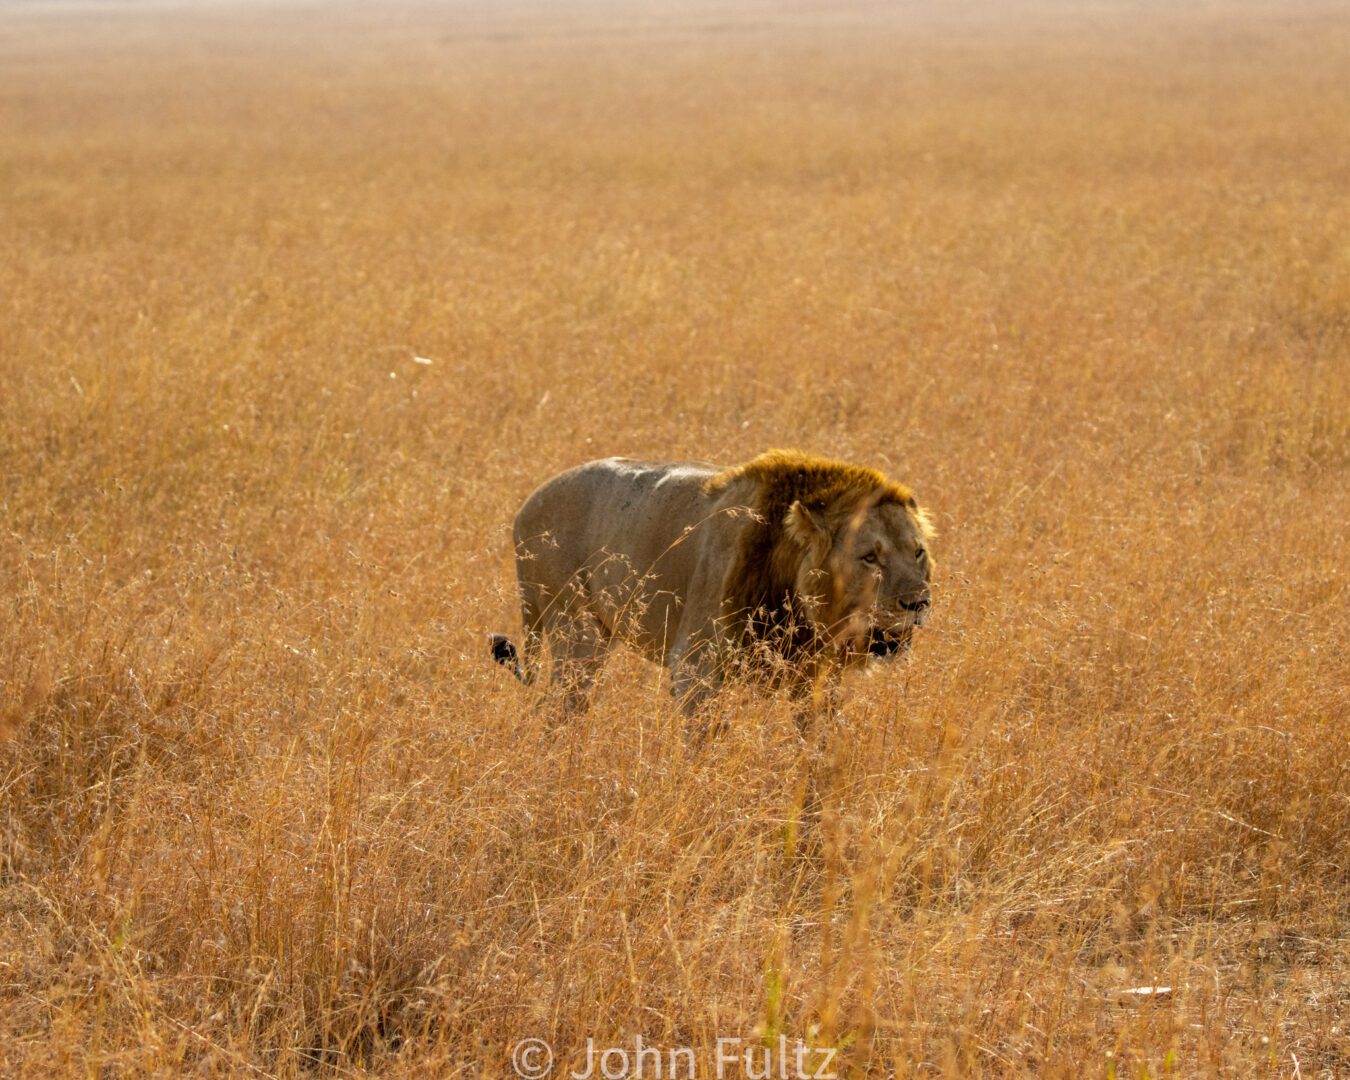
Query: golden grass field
(1080, 275)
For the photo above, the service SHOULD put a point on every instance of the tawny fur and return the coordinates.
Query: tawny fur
(815, 563)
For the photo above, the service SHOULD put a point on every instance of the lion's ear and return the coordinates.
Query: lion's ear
(925, 524)
(806, 528)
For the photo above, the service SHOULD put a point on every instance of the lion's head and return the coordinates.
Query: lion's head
(838, 545)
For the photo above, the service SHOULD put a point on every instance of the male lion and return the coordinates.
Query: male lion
(790, 565)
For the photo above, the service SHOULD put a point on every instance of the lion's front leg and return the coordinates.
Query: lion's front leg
(696, 657)
(816, 699)
(694, 675)
(697, 672)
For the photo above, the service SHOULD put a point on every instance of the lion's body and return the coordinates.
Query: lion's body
(687, 562)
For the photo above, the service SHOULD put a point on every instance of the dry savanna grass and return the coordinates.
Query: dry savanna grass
(1080, 275)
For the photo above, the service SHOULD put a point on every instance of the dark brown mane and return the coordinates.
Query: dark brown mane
(761, 583)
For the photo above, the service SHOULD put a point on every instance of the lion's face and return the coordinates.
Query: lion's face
(867, 579)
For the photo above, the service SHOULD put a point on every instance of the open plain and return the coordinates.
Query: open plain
(299, 301)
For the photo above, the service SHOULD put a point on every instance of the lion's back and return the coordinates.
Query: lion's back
(612, 508)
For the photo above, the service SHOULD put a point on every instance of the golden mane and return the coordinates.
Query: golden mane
(787, 476)
(761, 581)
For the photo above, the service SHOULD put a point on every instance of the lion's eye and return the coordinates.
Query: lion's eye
(870, 558)
(920, 554)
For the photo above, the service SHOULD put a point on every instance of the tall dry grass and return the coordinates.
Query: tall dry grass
(1081, 278)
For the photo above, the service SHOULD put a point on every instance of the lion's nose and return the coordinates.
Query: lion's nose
(920, 604)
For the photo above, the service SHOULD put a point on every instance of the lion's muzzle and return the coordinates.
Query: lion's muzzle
(918, 609)
(890, 636)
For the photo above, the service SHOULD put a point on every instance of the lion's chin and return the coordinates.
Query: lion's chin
(888, 644)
